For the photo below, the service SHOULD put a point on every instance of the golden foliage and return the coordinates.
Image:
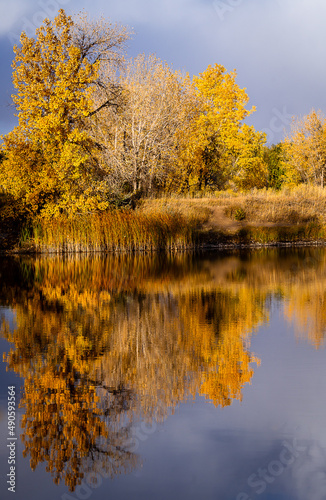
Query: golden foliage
(215, 147)
(251, 170)
(306, 150)
(93, 129)
(51, 162)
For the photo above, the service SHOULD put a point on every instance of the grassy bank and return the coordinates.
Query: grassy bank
(262, 217)
(302, 204)
(179, 223)
(122, 231)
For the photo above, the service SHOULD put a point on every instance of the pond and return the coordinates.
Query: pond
(164, 376)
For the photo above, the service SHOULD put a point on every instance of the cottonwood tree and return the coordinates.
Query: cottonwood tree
(209, 146)
(51, 161)
(305, 150)
(250, 168)
(139, 138)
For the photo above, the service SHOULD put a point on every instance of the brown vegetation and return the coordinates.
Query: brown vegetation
(179, 223)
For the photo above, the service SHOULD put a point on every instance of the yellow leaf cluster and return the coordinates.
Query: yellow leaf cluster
(305, 149)
(50, 159)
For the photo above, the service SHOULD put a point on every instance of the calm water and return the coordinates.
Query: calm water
(152, 377)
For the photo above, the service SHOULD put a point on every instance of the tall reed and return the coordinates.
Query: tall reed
(118, 230)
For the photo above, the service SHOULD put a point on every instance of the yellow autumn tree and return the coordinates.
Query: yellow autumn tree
(250, 168)
(305, 150)
(209, 146)
(51, 163)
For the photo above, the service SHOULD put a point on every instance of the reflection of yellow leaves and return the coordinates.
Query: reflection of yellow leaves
(71, 297)
(307, 309)
(100, 341)
(233, 373)
(149, 343)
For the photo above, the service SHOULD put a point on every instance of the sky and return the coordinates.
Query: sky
(276, 46)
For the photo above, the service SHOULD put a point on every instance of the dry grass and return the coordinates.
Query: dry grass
(119, 230)
(297, 215)
(179, 223)
(300, 205)
(198, 208)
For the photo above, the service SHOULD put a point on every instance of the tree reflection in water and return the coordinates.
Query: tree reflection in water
(103, 342)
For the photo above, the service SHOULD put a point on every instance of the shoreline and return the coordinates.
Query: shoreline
(197, 248)
(220, 223)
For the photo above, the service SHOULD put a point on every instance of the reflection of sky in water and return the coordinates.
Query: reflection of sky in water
(207, 452)
(210, 453)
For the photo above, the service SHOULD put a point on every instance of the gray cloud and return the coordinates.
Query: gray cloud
(277, 47)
